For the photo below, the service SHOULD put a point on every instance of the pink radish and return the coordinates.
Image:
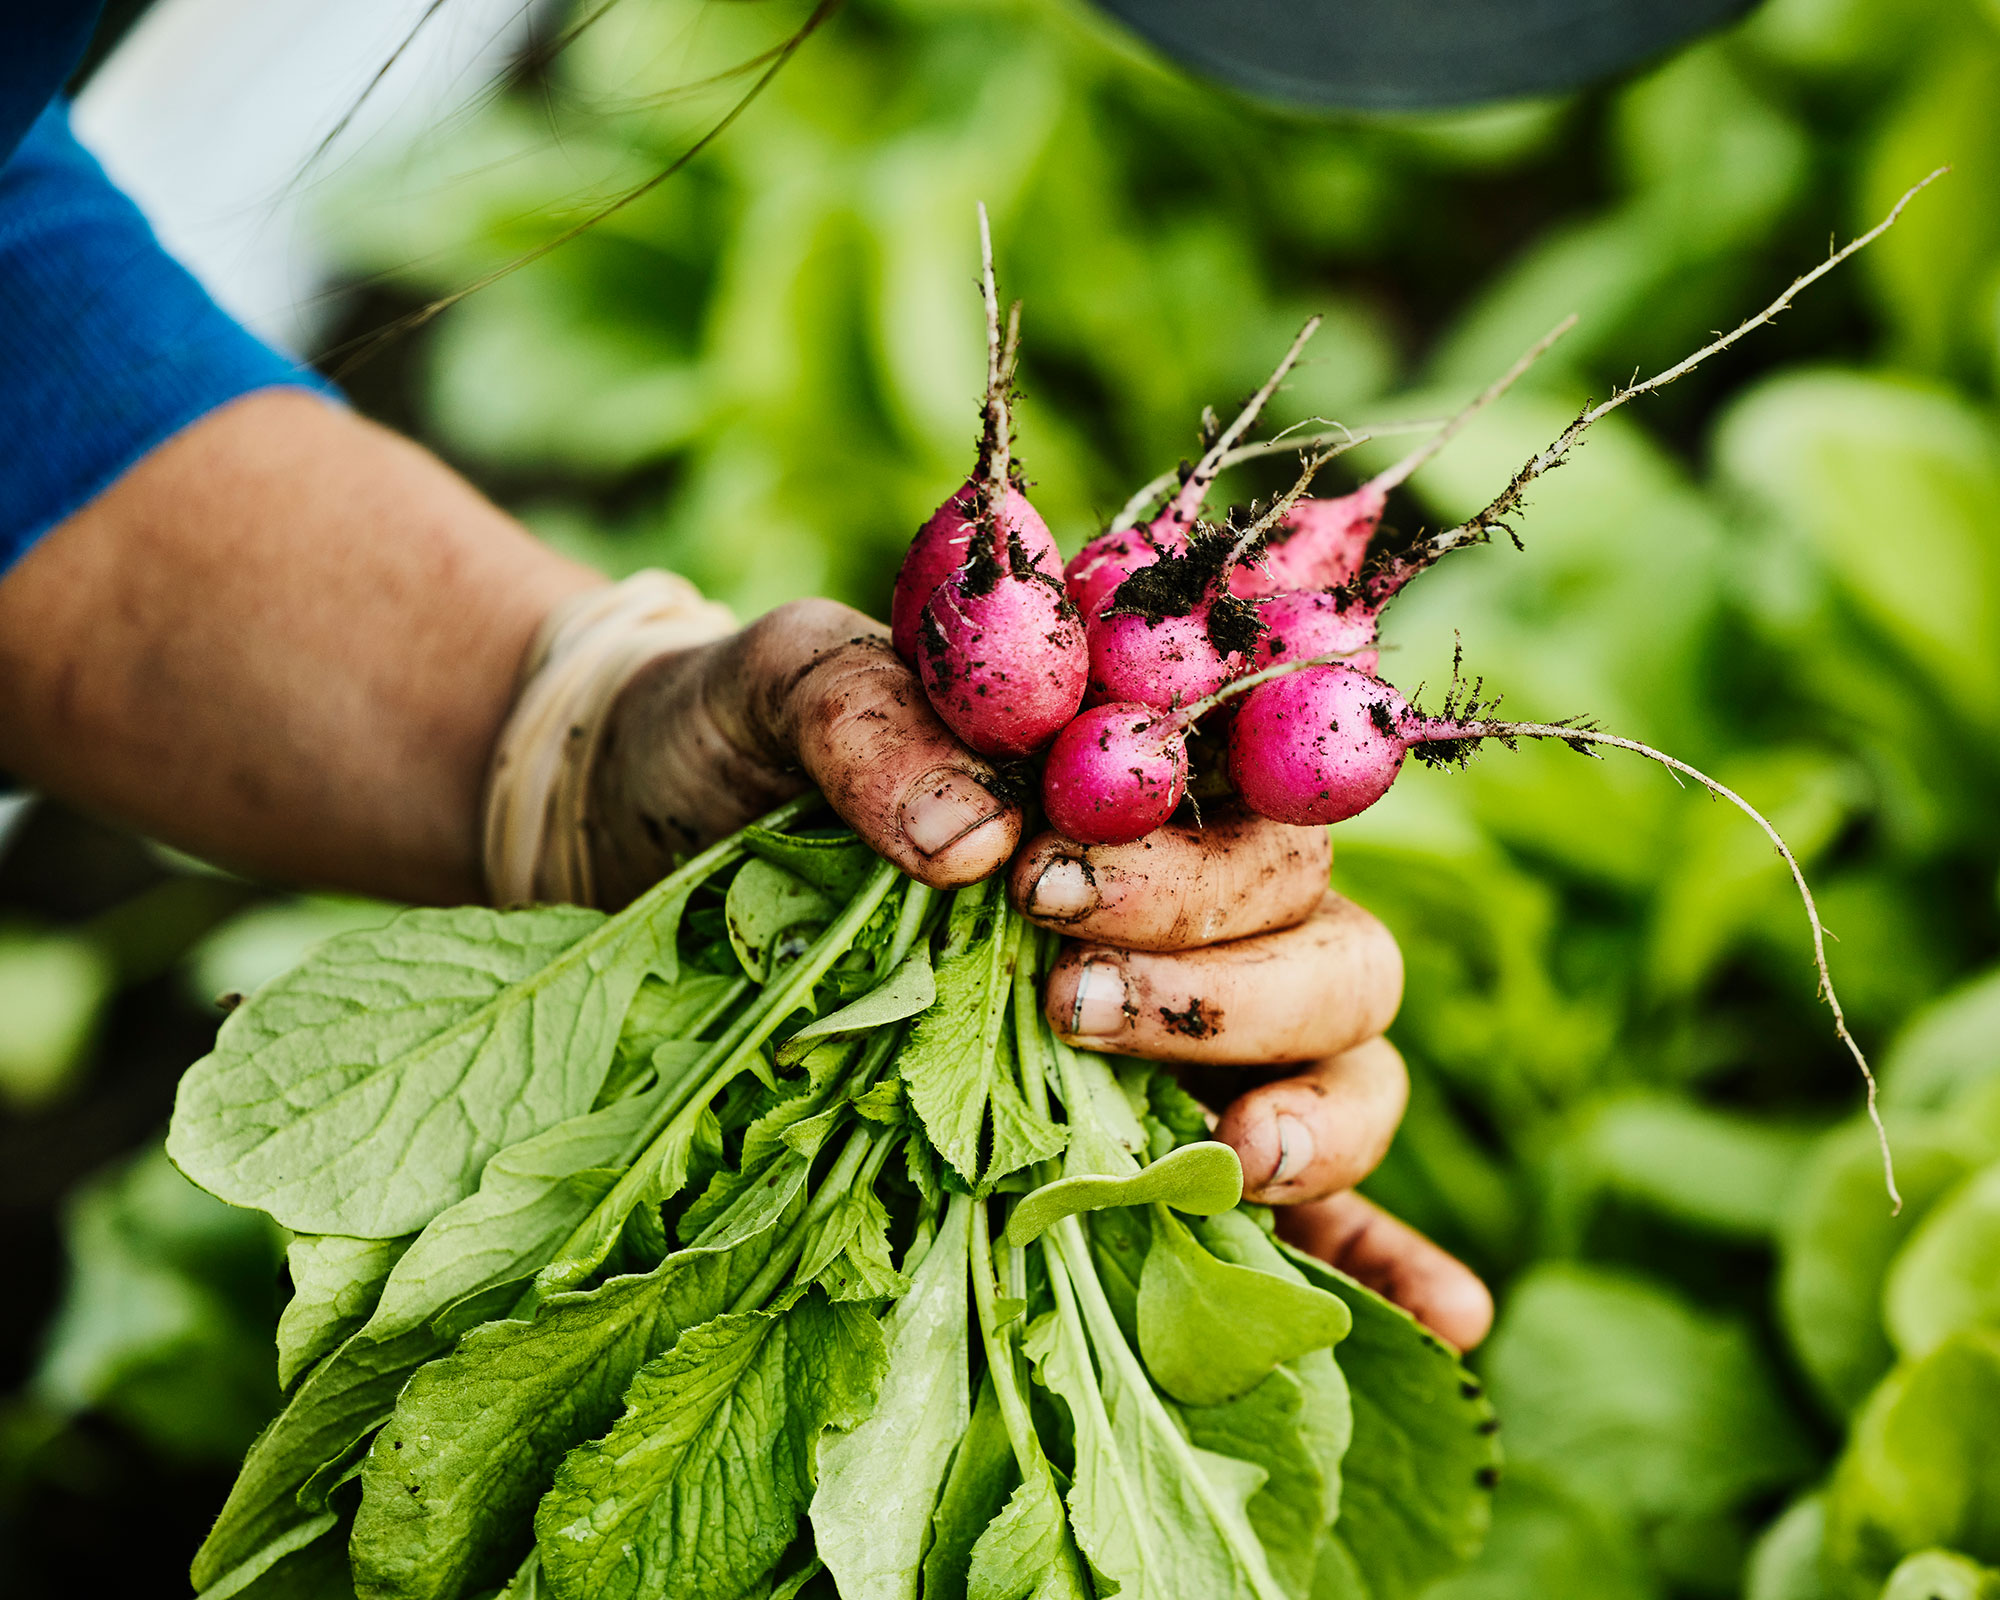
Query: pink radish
(1173, 632)
(1001, 653)
(998, 645)
(1116, 773)
(1172, 635)
(940, 548)
(1319, 546)
(1319, 745)
(1317, 622)
(1096, 571)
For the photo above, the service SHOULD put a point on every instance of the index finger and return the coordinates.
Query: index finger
(1179, 887)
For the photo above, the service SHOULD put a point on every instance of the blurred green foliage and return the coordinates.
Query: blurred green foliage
(1723, 1365)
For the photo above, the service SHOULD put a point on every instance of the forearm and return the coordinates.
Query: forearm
(286, 641)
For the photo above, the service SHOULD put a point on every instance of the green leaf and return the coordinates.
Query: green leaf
(244, 1576)
(363, 1092)
(879, 1483)
(530, 1197)
(1839, 1239)
(336, 1283)
(1729, 1174)
(310, 1568)
(1788, 1561)
(527, 1582)
(476, 1437)
(1947, 1276)
(1927, 277)
(1417, 1481)
(661, 1015)
(1325, 1417)
(1841, 456)
(773, 916)
(339, 1403)
(1025, 1552)
(1920, 1470)
(698, 1487)
(1949, 1047)
(53, 989)
(1151, 1512)
(1547, 1543)
(1022, 1136)
(855, 1245)
(983, 1471)
(952, 1056)
(1201, 1179)
(1270, 1428)
(1941, 1575)
(164, 1322)
(911, 988)
(1212, 1331)
(836, 864)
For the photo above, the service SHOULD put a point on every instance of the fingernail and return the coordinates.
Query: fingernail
(1064, 891)
(1099, 1010)
(946, 806)
(1295, 1151)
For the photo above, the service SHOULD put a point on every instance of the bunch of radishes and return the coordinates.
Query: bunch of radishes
(1110, 663)
(1261, 634)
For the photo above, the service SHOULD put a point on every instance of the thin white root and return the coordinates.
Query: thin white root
(1188, 502)
(1508, 500)
(1393, 477)
(1575, 736)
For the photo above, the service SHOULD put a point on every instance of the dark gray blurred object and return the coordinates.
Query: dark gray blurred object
(1388, 55)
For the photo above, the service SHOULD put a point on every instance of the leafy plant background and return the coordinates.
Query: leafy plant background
(1722, 1367)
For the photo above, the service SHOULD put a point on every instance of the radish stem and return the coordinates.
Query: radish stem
(1188, 501)
(1393, 477)
(1504, 504)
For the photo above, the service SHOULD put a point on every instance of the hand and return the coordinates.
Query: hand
(1213, 948)
(1221, 948)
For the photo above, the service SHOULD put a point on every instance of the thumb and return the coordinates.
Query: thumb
(855, 717)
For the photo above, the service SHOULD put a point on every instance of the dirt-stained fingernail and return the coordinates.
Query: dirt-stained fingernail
(947, 805)
(1099, 1009)
(1065, 891)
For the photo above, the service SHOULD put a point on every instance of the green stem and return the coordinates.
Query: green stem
(1000, 1351)
(1112, 1349)
(839, 1179)
(738, 987)
(729, 1055)
(918, 898)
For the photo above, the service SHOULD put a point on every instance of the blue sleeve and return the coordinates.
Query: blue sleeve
(108, 346)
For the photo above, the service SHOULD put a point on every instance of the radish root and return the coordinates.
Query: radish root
(1580, 737)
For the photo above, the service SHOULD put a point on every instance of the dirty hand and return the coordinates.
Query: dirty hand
(1212, 949)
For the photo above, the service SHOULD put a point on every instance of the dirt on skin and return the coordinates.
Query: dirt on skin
(1198, 1021)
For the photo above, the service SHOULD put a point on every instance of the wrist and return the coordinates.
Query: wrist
(543, 814)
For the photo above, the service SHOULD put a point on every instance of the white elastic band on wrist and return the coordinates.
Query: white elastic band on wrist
(535, 841)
